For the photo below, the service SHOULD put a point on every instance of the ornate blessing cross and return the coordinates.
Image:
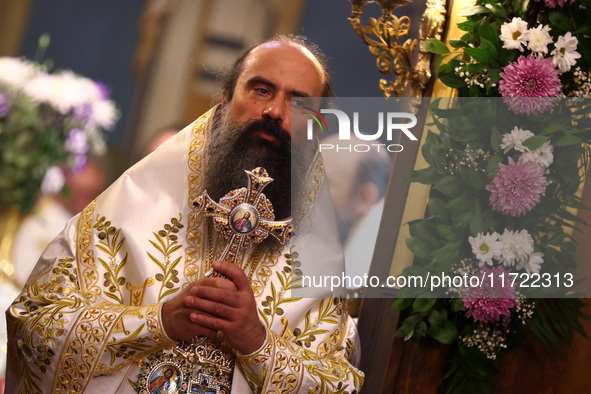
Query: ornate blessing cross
(244, 216)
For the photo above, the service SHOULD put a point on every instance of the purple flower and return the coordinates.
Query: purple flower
(53, 181)
(555, 3)
(79, 163)
(529, 78)
(76, 142)
(517, 187)
(492, 299)
(104, 93)
(82, 112)
(4, 105)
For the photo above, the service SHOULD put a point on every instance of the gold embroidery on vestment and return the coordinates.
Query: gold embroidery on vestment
(195, 229)
(85, 253)
(136, 293)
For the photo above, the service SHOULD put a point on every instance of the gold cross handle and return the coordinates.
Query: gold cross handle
(244, 217)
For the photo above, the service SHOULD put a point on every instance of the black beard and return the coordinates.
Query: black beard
(234, 148)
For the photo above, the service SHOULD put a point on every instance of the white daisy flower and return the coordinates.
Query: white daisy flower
(533, 263)
(104, 114)
(514, 140)
(542, 156)
(538, 39)
(15, 72)
(516, 247)
(486, 247)
(565, 54)
(513, 34)
(64, 91)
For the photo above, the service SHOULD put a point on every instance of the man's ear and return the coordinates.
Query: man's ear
(367, 195)
(224, 97)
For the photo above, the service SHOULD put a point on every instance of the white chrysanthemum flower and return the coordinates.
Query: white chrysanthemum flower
(538, 39)
(14, 72)
(53, 181)
(514, 140)
(517, 246)
(486, 247)
(565, 52)
(533, 264)
(63, 91)
(104, 114)
(542, 156)
(513, 34)
(97, 143)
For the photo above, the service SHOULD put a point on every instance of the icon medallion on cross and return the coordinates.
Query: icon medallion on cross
(244, 217)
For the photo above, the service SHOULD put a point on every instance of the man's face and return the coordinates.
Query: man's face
(272, 75)
(254, 128)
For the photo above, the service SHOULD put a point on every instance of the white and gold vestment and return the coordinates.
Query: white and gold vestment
(89, 317)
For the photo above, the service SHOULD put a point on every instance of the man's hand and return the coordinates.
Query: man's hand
(175, 313)
(230, 310)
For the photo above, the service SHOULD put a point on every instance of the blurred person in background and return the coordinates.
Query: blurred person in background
(358, 183)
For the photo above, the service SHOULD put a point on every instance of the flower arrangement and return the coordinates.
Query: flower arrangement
(48, 121)
(504, 171)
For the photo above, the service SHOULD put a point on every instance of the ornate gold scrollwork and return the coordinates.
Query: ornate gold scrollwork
(393, 55)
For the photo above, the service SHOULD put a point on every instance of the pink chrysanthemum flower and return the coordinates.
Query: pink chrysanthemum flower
(528, 83)
(492, 299)
(517, 187)
(555, 3)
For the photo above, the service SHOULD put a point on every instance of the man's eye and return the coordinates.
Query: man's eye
(298, 103)
(262, 90)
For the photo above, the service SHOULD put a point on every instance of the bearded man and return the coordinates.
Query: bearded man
(124, 291)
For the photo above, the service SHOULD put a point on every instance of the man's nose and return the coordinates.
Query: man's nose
(276, 110)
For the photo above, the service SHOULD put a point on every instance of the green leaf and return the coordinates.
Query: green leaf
(493, 166)
(421, 228)
(499, 10)
(445, 334)
(419, 247)
(476, 363)
(533, 143)
(552, 128)
(436, 46)
(446, 231)
(437, 318)
(408, 325)
(477, 224)
(436, 207)
(479, 9)
(457, 43)
(425, 176)
(560, 20)
(466, 26)
(495, 75)
(568, 139)
(480, 55)
(489, 47)
(402, 303)
(423, 304)
(452, 81)
(447, 254)
(487, 32)
(496, 139)
(447, 186)
(457, 305)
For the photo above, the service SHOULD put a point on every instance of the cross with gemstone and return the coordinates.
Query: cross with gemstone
(244, 217)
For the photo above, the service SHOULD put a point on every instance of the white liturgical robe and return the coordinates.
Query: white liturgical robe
(89, 318)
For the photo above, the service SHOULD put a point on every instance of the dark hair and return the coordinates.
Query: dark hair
(230, 77)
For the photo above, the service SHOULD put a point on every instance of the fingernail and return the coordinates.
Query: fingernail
(216, 264)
